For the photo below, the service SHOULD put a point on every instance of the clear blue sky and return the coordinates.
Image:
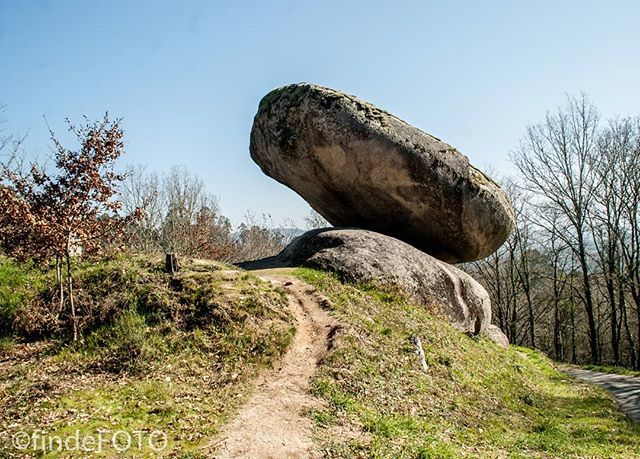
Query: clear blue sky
(187, 76)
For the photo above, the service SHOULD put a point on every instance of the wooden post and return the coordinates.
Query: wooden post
(171, 263)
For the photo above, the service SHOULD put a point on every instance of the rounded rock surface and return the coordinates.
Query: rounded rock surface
(496, 335)
(359, 166)
(365, 256)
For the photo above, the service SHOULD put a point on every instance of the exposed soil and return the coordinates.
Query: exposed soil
(274, 423)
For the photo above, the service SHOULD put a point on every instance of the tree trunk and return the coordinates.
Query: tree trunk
(637, 365)
(637, 301)
(60, 285)
(635, 294)
(532, 321)
(588, 296)
(627, 328)
(557, 337)
(523, 275)
(171, 263)
(574, 359)
(615, 330)
(74, 316)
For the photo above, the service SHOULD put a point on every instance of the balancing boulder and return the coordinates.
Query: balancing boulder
(359, 166)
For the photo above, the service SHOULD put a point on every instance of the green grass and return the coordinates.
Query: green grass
(180, 354)
(476, 400)
(18, 285)
(174, 354)
(614, 370)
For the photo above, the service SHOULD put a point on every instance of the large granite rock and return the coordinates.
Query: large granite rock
(365, 256)
(360, 166)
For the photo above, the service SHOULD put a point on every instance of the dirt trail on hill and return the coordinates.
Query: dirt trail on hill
(625, 389)
(274, 423)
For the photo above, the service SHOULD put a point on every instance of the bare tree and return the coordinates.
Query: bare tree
(184, 199)
(617, 225)
(141, 190)
(567, 280)
(523, 264)
(558, 262)
(554, 160)
(499, 274)
(180, 215)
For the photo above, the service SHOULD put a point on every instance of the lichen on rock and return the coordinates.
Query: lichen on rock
(360, 166)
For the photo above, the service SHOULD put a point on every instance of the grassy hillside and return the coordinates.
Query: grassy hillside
(476, 400)
(180, 355)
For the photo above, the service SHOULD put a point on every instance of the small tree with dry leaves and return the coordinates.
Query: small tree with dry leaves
(68, 211)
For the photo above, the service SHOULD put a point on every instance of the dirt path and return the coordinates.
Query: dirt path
(274, 421)
(625, 389)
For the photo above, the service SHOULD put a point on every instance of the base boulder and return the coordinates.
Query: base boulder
(366, 256)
